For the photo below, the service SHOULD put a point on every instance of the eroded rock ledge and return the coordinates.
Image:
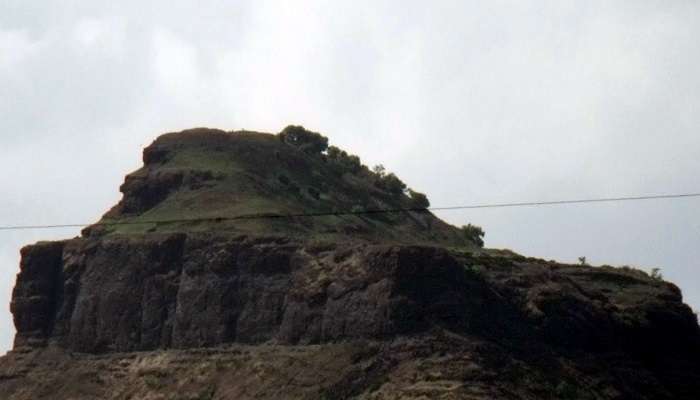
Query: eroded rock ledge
(125, 293)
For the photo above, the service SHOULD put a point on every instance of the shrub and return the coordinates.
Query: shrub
(307, 141)
(312, 142)
(474, 233)
(379, 170)
(418, 200)
(334, 153)
(391, 183)
(656, 274)
(344, 161)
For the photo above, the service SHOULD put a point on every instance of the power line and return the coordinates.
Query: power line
(579, 201)
(360, 212)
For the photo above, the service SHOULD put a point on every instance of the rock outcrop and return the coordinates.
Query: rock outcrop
(170, 312)
(182, 291)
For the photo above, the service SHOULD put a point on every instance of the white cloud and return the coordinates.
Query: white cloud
(15, 47)
(175, 64)
(106, 35)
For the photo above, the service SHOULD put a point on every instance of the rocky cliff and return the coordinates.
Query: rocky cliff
(182, 291)
(298, 308)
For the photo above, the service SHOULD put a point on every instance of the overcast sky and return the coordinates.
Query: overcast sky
(470, 102)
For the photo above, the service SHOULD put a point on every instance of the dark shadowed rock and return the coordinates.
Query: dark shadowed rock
(38, 293)
(161, 291)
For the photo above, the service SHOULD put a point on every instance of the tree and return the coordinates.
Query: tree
(344, 161)
(379, 170)
(307, 141)
(334, 153)
(392, 183)
(389, 182)
(474, 233)
(582, 260)
(656, 274)
(418, 200)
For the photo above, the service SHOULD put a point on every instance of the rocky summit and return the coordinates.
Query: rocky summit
(245, 265)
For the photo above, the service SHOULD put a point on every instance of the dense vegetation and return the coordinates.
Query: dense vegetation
(307, 141)
(474, 233)
(313, 143)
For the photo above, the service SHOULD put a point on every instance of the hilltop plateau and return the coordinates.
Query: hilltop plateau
(245, 265)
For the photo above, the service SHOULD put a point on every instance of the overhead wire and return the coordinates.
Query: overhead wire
(356, 212)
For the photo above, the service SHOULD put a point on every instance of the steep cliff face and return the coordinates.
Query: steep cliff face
(212, 310)
(182, 291)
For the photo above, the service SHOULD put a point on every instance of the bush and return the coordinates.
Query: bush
(656, 274)
(391, 183)
(474, 233)
(307, 141)
(379, 170)
(418, 200)
(344, 161)
(334, 153)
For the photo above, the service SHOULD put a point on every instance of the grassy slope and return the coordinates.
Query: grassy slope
(256, 173)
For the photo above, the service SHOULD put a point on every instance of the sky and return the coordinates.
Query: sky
(471, 102)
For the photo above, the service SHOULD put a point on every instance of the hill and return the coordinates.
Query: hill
(217, 177)
(199, 285)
